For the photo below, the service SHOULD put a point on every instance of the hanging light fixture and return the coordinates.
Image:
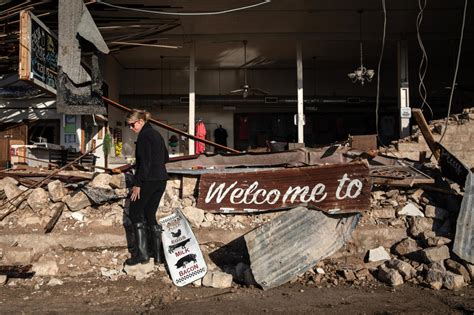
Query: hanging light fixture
(361, 74)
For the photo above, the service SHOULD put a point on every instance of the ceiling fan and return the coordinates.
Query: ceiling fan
(246, 89)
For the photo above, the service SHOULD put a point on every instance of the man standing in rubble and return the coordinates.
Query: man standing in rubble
(149, 183)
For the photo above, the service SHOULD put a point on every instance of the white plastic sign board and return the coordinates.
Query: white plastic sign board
(405, 112)
(183, 255)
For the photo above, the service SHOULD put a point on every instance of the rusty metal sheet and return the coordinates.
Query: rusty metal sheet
(464, 239)
(296, 158)
(405, 176)
(332, 188)
(294, 242)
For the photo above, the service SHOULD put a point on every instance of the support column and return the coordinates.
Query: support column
(299, 74)
(192, 100)
(403, 90)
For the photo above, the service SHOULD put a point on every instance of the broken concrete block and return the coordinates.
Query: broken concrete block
(46, 268)
(101, 181)
(437, 241)
(117, 181)
(38, 199)
(17, 255)
(121, 192)
(363, 274)
(410, 210)
(189, 185)
(434, 278)
(78, 216)
(99, 195)
(140, 271)
(7, 180)
(378, 254)
(419, 225)
(54, 282)
(392, 193)
(11, 191)
(457, 268)
(77, 201)
(3, 279)
(407, 246)
(378, 195)
(435, 254)
(436, 212)
(56, 190)
(384, 213)
(320, 271)
(390, 276)
(452, 281)
(217, 279)
(194, 215)
(404, 268)
(470, 269)
(347, 274)
(417, 195)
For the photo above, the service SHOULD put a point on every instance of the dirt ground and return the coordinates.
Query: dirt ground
(154, 296)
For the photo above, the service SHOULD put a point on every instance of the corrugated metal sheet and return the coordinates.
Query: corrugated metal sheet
(294, 242)
(464, 239)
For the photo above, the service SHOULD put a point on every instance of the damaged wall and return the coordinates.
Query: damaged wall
(458, 140)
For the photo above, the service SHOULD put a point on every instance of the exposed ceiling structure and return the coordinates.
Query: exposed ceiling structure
(329, 31)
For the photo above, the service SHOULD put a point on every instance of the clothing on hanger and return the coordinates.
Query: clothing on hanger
(200, 147)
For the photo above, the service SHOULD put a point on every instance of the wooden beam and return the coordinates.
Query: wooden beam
(426, 132)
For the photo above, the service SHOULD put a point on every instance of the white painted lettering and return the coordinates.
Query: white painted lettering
(219, 192)
(296, 191)
(341, 181)
(276, 195)
(236, 193)
(319, 189)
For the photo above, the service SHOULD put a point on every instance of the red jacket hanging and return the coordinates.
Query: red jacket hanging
(200, 147)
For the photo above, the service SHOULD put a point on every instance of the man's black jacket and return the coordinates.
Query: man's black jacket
(151, 155)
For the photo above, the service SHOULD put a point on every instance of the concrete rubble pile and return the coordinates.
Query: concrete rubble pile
(405, 237)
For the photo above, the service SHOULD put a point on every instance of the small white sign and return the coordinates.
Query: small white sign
(183, 255)
(405, 112)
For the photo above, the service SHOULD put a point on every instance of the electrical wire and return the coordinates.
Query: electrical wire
(378, 72)
(455, 72)
(184, 13)
(423, 67)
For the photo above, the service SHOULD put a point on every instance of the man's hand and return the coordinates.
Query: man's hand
(135, 193)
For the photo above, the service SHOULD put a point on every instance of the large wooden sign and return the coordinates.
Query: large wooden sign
(38, 52)
(335, 188)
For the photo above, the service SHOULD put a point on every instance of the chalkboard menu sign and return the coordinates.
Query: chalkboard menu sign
(38, 52)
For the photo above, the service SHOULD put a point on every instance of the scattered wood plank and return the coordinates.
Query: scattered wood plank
(58, 210)
(425, 131)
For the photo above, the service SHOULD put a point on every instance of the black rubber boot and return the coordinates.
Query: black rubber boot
(156, 244)
(140, 255)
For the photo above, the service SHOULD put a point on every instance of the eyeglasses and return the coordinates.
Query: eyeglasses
(132, 125)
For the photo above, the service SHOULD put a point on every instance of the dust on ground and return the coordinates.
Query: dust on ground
(92, 295)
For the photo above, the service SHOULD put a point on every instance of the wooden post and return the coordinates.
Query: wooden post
(425, 131)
